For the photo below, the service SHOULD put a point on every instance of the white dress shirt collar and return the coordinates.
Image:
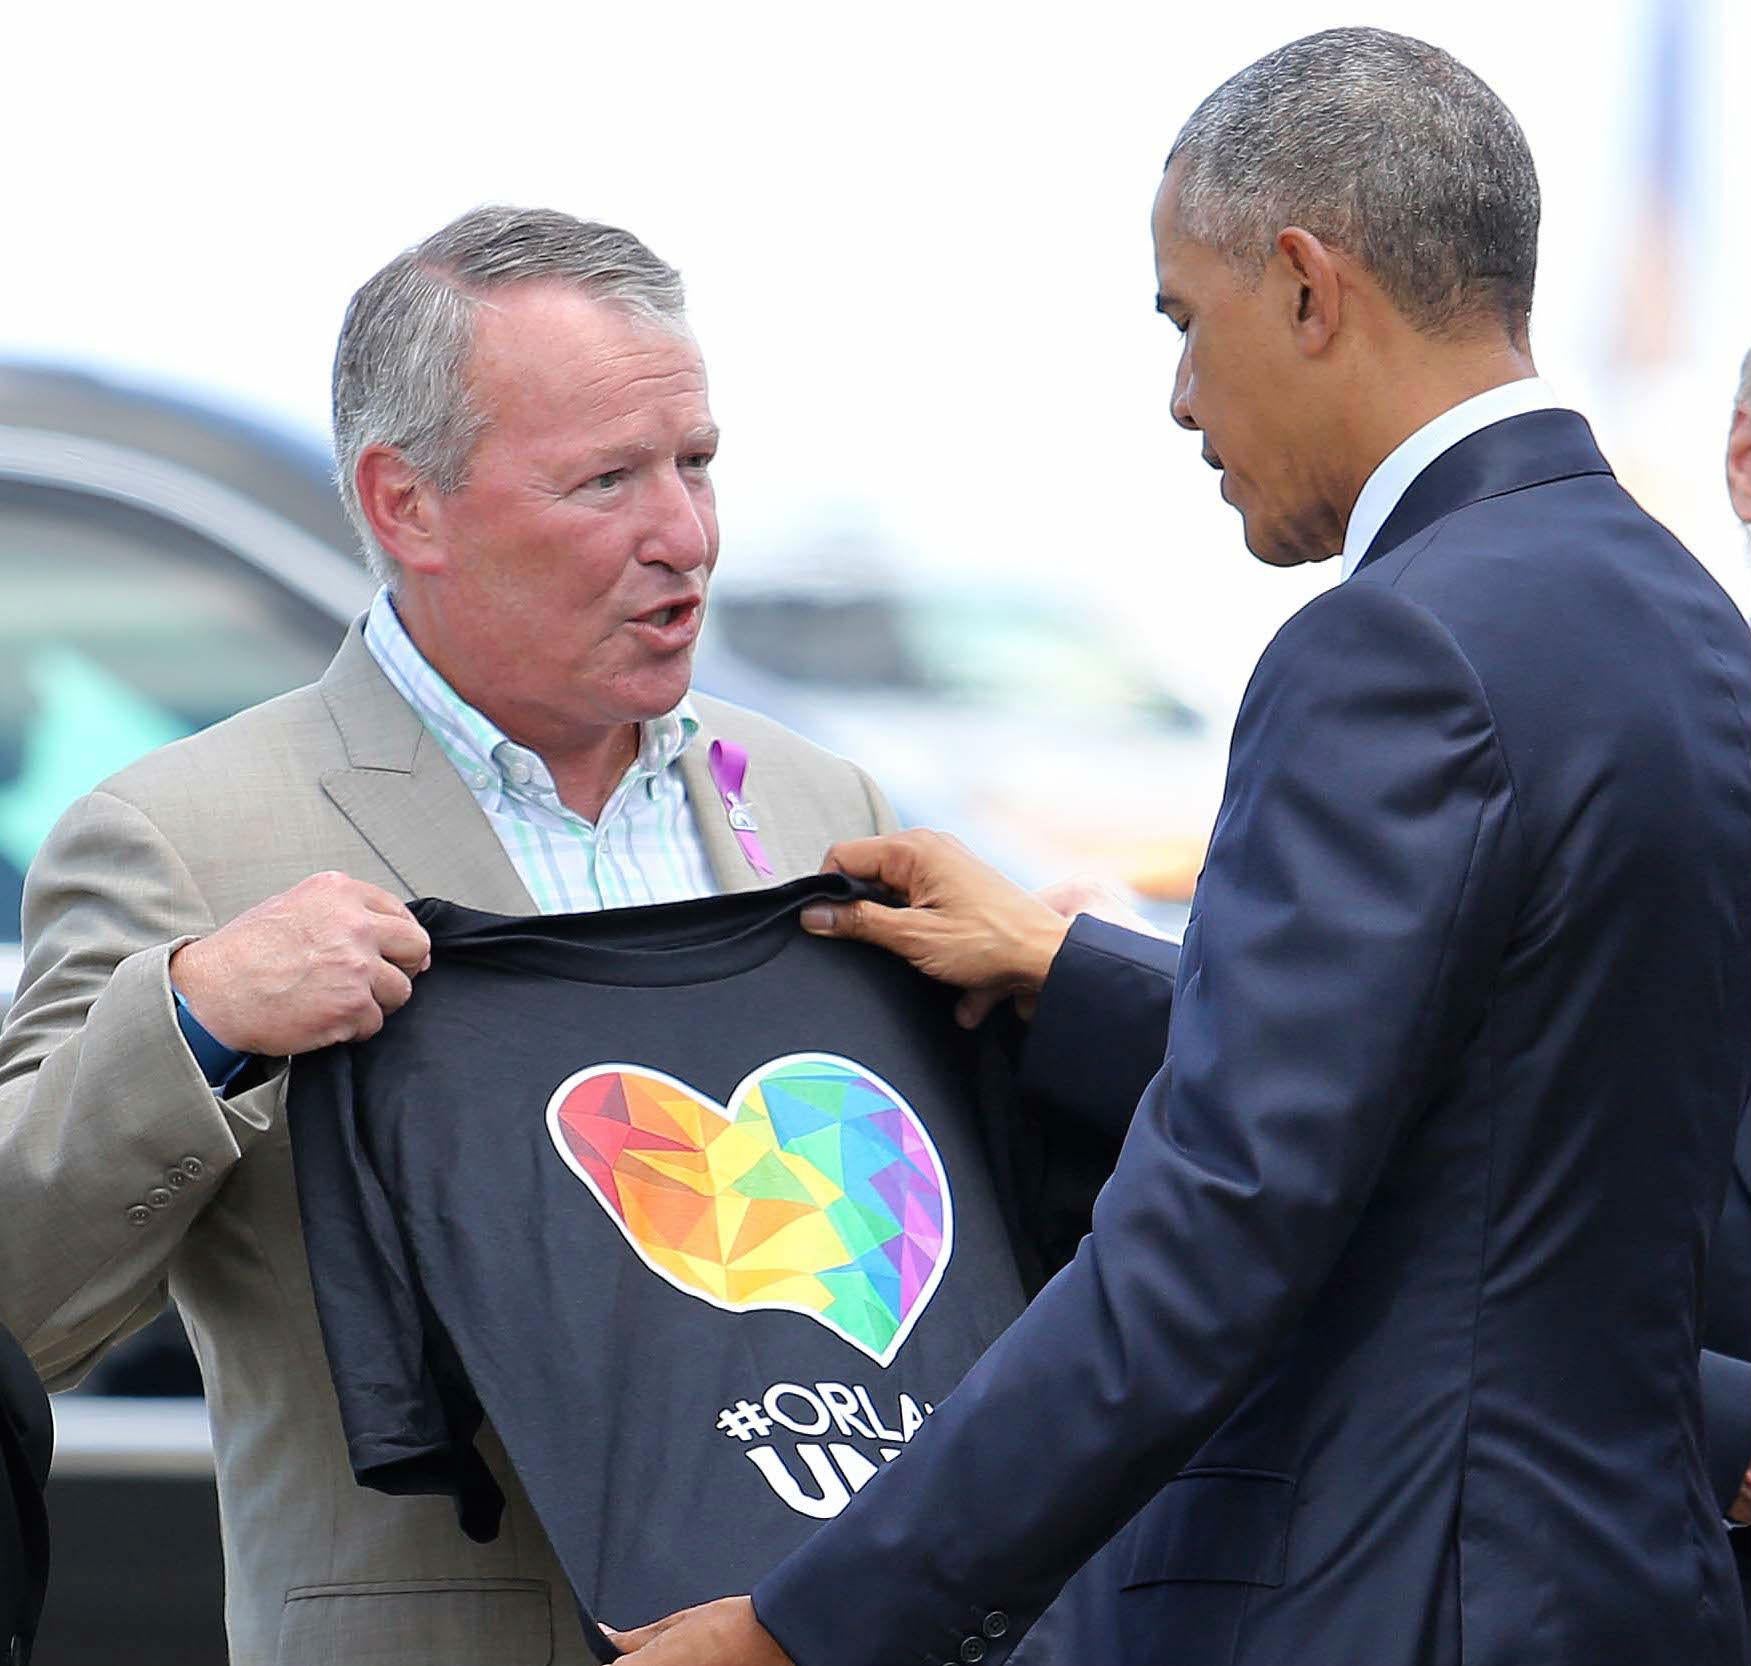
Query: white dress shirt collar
(1388, 483)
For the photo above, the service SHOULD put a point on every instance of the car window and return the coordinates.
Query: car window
(120, 631)
(971, 649)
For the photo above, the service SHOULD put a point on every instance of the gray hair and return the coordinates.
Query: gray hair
(1384, 147)
(1743, 402)
(401, 367)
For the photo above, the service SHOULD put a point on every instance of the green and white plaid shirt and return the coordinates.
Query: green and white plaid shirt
(643, 848)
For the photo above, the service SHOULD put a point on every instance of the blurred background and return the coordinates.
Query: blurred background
(962, 539)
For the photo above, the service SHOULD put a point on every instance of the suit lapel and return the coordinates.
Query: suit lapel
(404, 796)
(1530, 450)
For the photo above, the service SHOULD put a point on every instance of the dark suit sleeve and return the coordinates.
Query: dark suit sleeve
(407, 1411)
(1101, 1029)
(1347, 927)
(26, 1443)
(1726, 1418)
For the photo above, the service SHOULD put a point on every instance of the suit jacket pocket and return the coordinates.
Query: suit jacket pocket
(1226, 1525)
(418, 1622)
(1196, 1556)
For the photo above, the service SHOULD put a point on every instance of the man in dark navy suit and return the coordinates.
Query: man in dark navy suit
(1383, 1348)
(26, 1438)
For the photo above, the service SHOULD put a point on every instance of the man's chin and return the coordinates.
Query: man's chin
(1277, 545)
(657, 689)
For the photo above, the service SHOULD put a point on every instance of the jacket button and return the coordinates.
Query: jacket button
(158, 1197)
(139, 1214)
(193, 1167)
(973, 1650)
(996, 1624)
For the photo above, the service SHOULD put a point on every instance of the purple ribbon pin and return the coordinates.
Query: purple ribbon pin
(729, 769)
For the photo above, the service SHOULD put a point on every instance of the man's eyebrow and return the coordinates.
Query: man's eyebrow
(642, 449)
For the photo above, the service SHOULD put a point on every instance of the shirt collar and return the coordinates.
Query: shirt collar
(486, 757)
(1388, 483)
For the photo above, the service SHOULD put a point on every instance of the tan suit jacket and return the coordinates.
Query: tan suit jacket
(123, 1176)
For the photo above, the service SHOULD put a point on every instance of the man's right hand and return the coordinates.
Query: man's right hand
(321, 963)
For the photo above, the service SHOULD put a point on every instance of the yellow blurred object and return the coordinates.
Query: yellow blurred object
(1166, 870)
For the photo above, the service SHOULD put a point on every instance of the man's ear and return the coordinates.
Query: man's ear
(1315, 288)
(1739, 463)
(399, 504)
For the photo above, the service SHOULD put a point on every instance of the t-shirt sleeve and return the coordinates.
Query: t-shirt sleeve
(408, 1412)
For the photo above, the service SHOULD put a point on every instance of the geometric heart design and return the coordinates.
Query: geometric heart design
(816, 1190)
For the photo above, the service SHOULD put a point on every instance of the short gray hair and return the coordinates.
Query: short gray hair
(1384, 147)
(401, 367)
(1744, 399)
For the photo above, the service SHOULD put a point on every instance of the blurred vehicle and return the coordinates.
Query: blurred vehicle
(1031, 731)
(162, 565)
(165, 563)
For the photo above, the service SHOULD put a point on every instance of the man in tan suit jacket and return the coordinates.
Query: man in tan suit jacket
(257, 872)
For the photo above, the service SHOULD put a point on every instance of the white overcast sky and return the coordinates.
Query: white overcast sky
(915, 236)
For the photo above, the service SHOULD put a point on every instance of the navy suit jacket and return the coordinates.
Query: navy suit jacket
(1385, 1338)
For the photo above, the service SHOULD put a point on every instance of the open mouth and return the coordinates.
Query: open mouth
(675, 615)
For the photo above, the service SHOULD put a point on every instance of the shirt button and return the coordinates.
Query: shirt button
(158, 1197)
(996, 1624)
(193, 1167)
(973, 1650)
(481, 780)
(138, 1214)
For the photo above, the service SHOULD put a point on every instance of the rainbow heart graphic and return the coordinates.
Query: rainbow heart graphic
(815, 1191)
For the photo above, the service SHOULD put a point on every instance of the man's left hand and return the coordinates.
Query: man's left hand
(723, 1633)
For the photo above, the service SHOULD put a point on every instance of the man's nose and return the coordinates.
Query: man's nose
(680, 531)
(1182, 395)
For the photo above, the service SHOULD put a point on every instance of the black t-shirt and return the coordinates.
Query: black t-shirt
(699, 1209)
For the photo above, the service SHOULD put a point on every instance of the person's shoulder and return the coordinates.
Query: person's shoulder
(1360, 615)
(798, 773)
(291, 733)
(768, 742)
(1358, 652)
